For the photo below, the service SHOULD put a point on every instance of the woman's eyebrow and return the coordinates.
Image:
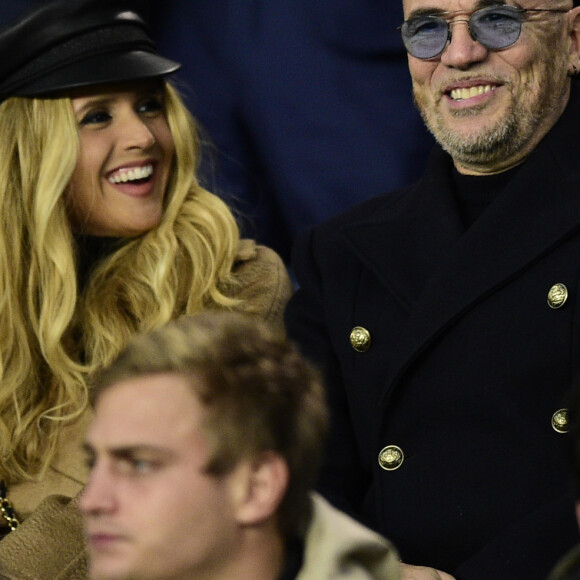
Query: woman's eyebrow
(92, 102)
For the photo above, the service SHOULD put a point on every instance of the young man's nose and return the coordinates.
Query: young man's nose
(98, 494)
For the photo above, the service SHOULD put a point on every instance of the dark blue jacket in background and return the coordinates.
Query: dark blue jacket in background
(307, 102)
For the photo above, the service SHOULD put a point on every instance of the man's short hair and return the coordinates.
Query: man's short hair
(259, 393)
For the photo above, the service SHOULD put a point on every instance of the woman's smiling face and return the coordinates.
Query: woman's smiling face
(125, 158)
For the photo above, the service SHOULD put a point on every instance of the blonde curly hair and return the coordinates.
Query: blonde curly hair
(55, 334)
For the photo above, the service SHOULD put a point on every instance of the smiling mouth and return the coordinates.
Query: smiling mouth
(470, 92)
(133, 175)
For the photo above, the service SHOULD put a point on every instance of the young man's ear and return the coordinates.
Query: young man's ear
(260, 486)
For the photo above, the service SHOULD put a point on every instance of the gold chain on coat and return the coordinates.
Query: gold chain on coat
(6, 509)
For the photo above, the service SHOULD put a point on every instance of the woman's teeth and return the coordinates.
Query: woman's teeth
(134, 174)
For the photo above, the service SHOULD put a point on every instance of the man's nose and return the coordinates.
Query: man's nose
(462, 51)
(98, 494)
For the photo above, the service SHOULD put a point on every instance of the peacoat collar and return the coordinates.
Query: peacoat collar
(417, 247)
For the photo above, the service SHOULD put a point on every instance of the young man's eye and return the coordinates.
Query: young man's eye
(142, 466)
(95, 118)
(90, 460)
(135, 466)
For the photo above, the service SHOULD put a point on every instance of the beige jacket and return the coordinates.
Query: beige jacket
(338, 548)
(264, 289)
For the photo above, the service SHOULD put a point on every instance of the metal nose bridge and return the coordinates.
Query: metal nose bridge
(456, 21)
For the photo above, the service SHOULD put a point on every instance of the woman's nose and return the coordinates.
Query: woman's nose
(135, 133)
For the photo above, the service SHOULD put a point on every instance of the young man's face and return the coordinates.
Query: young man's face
(490, 108)
(151, 511)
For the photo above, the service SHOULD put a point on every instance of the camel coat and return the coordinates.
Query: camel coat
(50, 518)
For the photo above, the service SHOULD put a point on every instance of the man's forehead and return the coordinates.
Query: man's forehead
(162, 404)
(413, 6)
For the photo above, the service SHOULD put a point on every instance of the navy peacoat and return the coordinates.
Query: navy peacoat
(448, 399)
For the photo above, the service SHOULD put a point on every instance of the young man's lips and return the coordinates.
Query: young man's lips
(103, 540)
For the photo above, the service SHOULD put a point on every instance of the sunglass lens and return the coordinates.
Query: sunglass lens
(496, 27)
(424, 36)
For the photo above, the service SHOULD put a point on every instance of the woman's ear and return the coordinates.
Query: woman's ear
(261, 484)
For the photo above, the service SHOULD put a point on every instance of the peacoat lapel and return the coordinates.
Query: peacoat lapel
(437, 271)
(401, 243)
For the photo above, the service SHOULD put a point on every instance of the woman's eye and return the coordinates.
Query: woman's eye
(96, 118)
(151, 106)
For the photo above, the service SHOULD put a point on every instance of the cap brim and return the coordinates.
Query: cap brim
(102, 69)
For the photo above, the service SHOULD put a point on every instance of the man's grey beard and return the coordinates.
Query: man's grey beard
(490, 147)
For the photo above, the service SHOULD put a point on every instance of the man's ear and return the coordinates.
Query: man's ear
(260, 486)
(574, 65)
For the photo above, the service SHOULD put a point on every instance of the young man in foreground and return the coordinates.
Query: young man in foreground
(205, 444)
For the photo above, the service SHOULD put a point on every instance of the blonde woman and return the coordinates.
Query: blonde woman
(105, 231)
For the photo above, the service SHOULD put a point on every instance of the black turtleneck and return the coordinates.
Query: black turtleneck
(474, 193)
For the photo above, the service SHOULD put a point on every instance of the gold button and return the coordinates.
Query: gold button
(391, 457)
(360, 339)
(560, 421)
(557, 296)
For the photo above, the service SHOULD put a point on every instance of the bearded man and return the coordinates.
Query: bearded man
(445, 316)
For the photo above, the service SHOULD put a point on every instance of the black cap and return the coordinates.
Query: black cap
(72, 43)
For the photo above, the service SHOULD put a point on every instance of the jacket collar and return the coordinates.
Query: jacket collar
(336, 546)
(416, 230)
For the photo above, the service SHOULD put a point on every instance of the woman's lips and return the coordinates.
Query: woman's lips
(134, 180)
(131, 174)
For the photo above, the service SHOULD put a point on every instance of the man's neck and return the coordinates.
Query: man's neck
(262, 557)
(259, 554)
